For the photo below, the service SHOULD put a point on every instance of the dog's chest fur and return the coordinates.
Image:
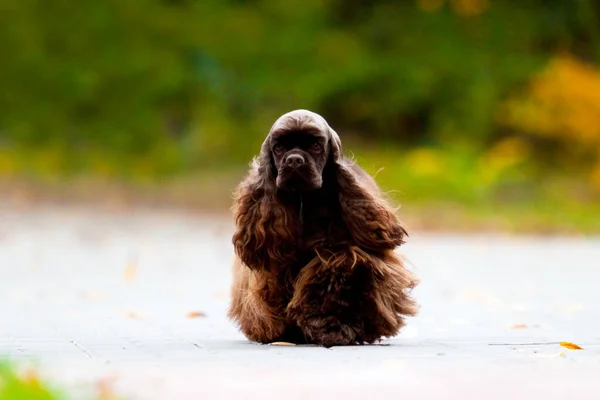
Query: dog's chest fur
(319, 228)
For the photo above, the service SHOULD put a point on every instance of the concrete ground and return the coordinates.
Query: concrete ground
(134, 302)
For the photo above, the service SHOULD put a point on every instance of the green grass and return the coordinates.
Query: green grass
(26, 386)
(500, 190)
(439, 190)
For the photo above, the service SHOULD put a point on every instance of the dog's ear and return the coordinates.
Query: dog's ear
(335, 144)
(265, 165)
(371, 220)
(263, 234)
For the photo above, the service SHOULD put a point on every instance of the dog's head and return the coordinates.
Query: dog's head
(297, 149)
(302, 154)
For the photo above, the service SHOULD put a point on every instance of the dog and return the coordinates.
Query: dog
(314, 244)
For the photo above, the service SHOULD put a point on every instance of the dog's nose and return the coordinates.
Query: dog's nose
(294, 160)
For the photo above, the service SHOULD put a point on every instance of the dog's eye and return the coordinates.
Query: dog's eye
(316, 146)
(278, 148)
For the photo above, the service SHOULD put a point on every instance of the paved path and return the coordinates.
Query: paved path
(105, 296)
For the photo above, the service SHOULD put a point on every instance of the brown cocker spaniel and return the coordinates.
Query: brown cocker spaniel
(315, 242)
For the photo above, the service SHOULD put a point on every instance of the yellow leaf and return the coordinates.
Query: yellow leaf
(282, 344)
(571, 346)
(105, 388)
(196, 314)
(519, 326)
(130, 272)
(132, 315)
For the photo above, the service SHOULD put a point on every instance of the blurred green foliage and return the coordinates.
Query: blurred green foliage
(17, 383)
(23, 387)
(155, 88)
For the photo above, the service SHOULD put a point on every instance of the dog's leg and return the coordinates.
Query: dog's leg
(259, 320)
(352, 298)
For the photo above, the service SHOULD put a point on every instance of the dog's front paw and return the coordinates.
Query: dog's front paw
(327, 332)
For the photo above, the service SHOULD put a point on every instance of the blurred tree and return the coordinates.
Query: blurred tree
(184, 83)
(562, 103)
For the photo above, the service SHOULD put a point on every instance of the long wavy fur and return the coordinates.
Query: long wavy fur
(336, 281)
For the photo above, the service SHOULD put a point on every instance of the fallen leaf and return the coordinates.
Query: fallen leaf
(196, 314)
(571, 346)
(105, 388)
(130, 272)
(132, 314)
(283, 344)
(519, 326)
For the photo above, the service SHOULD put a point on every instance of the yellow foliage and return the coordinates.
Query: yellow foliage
(466, 8)
(563, 101)
(8, 163)
(503, 155)
(101, 165)
(425, 162)
(430, 5)
(469, 8)
(511, 150)
(595, 175)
